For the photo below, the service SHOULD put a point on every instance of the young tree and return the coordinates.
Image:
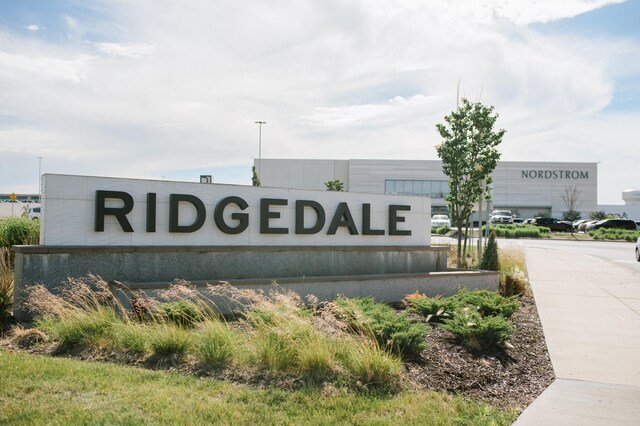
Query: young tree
(572, 198)
(334, 185)
(469, 155)
(255, 180)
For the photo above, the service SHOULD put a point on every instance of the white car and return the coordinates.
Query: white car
(34, 212)
(638, 250)
(440, 220)
(501, 216)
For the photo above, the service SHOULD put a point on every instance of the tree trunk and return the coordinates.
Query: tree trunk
(459, 260)
(466, 236)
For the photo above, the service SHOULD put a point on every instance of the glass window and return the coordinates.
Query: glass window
(408, 187)
(389, 186)
(424, 188)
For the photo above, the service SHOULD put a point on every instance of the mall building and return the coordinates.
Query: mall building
(525, 188)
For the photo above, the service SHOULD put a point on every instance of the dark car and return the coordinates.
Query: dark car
(613, 224)
(553, 224)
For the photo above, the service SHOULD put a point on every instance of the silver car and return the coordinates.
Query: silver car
(440, 220)
(638, 250)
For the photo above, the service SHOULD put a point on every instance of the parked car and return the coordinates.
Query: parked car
(440, 220)
(584, 225)
(528, 221)
(518, 220)
(613, 224)
(34, 212)
(638, 225)
(638, 250)
(501, 216)
(553, 224)
(576, 224)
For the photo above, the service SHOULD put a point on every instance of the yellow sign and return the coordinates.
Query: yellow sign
(13, 197)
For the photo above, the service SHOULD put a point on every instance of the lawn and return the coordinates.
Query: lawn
(47, 390)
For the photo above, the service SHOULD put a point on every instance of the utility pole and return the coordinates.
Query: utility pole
(40, 177)
(260, 123)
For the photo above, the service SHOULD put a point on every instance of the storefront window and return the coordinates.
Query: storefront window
(421, 188)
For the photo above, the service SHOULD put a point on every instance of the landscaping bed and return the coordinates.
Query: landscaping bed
(512, 377)
(507, 376)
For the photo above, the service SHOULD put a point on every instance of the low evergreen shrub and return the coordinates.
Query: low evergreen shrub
(487, 303)
(392, 330)
(477, 332)
(434, 309)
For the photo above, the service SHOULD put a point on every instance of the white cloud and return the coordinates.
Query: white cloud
(32, 27)
(131, 51)
(167, 87)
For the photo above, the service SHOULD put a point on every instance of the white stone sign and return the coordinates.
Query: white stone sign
(99, 211)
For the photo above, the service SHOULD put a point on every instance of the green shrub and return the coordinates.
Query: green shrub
(487, 303)
(519, 231)
(440, 230)
(19, 231)
(182, 313)
(490, 260)
(477, 332)
(614, 234)
(392, 330)
(434, 309)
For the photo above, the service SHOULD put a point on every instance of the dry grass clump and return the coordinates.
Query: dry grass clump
(514, 279)
(275, 332)
(25, 338)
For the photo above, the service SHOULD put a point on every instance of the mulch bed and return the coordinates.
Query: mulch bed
(512, 377)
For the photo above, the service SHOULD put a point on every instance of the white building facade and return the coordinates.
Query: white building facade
(526, 188)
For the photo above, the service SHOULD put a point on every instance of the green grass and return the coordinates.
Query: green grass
(43, 390)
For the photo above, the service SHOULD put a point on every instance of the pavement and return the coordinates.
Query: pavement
(590, 313)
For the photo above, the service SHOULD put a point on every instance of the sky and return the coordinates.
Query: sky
(161, 89)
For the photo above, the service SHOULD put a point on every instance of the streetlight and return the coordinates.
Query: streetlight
(260, 123)
(40, 178)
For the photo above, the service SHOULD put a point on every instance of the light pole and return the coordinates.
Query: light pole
(40, 178)
(260, 123)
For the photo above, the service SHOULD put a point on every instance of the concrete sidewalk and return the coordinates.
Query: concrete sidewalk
(590, 313)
